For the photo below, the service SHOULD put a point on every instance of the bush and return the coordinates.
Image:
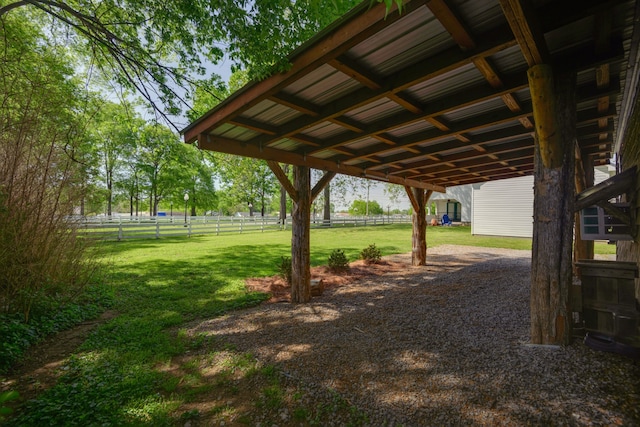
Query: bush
(285, 268)
(371, 254)
(338, 261)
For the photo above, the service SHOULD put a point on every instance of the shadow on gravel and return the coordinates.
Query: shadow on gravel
(442, 344)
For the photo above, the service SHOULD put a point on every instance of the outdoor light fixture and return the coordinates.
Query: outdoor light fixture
(186, 200)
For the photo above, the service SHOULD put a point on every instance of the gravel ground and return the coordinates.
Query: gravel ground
(443, 344)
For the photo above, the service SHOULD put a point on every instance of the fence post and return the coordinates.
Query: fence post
(189, 230)
(120, 231)
(157, 229)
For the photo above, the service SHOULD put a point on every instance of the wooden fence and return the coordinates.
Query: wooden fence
(120, 228)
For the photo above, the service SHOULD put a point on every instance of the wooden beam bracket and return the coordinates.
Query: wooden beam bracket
(284, 179)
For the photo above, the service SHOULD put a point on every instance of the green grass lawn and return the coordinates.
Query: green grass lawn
(159, 285)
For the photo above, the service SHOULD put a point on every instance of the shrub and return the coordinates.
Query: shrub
(338, 261)
(371, 254)
(285, 268)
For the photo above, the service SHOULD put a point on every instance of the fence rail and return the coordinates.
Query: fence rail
(121, 228)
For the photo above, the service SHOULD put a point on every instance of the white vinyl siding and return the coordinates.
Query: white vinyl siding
(505, 207)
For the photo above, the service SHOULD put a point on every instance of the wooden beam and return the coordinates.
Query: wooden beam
(363, 21)
(225, 145)
(356, 72)
(283, 178)
(320, 185)
(295, 103)
(545, 115)
(452, 24)
(526, 29)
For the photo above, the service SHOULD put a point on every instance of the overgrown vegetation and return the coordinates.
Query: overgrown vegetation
(42, 173)
(371, 254)
(338, 261)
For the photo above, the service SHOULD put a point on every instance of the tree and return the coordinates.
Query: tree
(359, 207)
(142, 45)
(42, 149)
(114, 137)
(247, 183)
(158, 158)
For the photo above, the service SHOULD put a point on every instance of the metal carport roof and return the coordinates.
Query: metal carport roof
(434, 96)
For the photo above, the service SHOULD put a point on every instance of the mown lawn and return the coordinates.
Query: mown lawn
(120, 375)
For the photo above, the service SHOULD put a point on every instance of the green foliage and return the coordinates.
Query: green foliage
(17, 335)
(359, 208)
(371, 254)
(42, 171)
(6, 397)
(338, 261)
(284, 269)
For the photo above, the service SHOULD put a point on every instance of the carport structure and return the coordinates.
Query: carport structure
(443, 93)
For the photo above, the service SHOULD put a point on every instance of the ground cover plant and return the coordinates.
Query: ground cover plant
(142, 368)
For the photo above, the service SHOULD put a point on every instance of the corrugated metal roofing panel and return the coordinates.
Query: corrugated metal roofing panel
(479, 16)
(413, 37)
(494, 104)
(362, 143)
(322, 86)
(286, 144)
(568, 37)
(410, 129)
(509, 60)
(374, 111)
(453, 81)
(235, 132)
(272, 113)
(324, 130)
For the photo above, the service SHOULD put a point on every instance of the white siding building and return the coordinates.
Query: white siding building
(505, 207)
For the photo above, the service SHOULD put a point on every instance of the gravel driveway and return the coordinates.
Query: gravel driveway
(443, 344)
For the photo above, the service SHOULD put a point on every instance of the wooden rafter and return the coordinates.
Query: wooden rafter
(526, 30)
(367, 118)
(463, 38)
(225, 145)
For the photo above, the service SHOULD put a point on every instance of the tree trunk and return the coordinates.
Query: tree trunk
(419, 199)
(300, 246)
(327, 206)
(554, 112)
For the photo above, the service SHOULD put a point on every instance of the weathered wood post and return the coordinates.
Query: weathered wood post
(419, 199)
(302, 196)
(300, 236)
(554, 112)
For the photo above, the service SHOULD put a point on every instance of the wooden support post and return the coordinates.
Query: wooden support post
(554, 112)
(419, 199)
(302, 195)
(300, 236)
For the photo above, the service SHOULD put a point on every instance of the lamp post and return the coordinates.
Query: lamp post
(186, 200)
(250, 209)
(171, 211)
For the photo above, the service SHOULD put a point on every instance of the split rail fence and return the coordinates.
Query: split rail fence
(121, 228)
